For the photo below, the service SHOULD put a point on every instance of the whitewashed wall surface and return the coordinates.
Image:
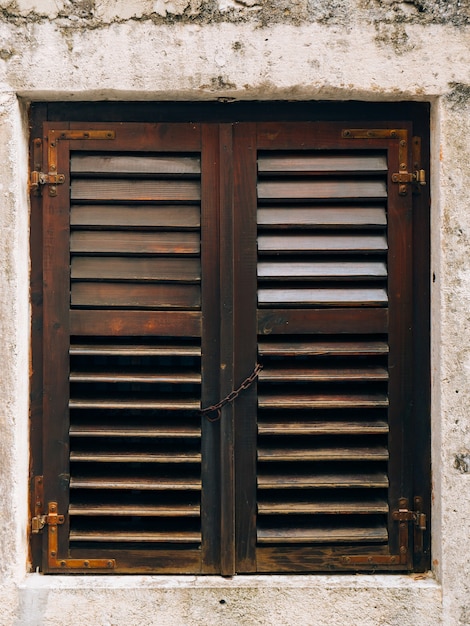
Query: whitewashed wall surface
(371, 50)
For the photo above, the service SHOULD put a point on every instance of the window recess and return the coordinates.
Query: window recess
(175, 257)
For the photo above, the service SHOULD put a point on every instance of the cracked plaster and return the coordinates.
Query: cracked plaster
(244, 49)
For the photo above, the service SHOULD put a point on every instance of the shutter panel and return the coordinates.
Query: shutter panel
(325, 276)
(135, 350)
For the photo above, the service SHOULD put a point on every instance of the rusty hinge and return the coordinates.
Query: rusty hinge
(403, 515)
(52, 178)
(54, 562)
(52, 520)
(40, 519)
(417, 177)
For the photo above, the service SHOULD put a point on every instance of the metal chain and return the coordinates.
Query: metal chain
(232, 396)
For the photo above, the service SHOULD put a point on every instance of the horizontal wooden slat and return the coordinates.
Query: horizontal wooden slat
(134, 457)
(135, 483)
(322, 162)
(327, 321)
(271, 427)
(347, 296)
(340, 507)
(113, 536)
(334, 189)
(176, 404)
(293, 374)
(138, 323)
(158, 296)
(301, 534)
(278, 244)
(153, 431)
(136, 269)
(321, 270)
(333, 401)
(175, 377)
(322, 348)
(323, 481)
(124, 242)
(331, 217)
(118, 216)
(134, 350)
(134, 164)
(371, 453)
(125, 510)
(119, 190)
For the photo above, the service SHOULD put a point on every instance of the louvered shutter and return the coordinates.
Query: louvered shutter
(333, 304)
(124, 323)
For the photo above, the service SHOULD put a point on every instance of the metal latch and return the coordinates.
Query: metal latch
(39, 521)
(417, 178)
(405, 515)
(39, 178)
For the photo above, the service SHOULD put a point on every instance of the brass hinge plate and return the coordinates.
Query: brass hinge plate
(372, 561)
(417, 177)
(38, 178)
(53, 520)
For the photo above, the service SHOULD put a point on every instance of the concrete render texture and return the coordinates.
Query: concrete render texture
(371, 50)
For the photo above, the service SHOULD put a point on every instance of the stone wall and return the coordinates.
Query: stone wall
(374, 50)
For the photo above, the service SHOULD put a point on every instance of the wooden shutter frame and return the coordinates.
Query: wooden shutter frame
(48, 449)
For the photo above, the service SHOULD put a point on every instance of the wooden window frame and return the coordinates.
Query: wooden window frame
(417, 118)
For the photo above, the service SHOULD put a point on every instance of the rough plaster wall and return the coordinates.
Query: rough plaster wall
(212, 601)
(453, 285)
(14, 330)
(14, 366)
(244, 49)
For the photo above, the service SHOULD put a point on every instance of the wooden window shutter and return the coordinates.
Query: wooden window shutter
(331, 281)
(126, 243)
(176, 257)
